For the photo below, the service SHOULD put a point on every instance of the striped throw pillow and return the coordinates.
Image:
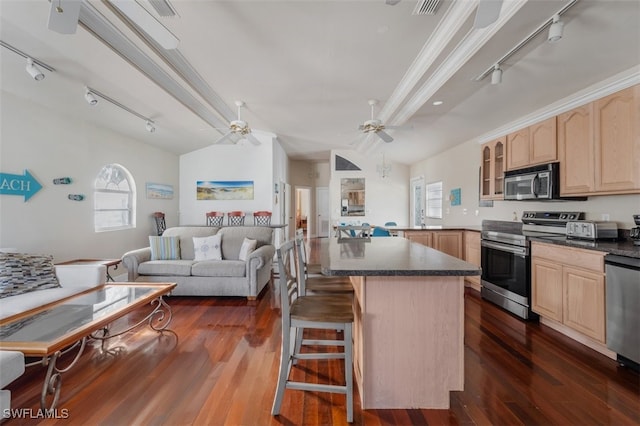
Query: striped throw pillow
(24, 273)
(164, 248)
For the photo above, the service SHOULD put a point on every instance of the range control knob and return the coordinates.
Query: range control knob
(563, 216)
(572, 216)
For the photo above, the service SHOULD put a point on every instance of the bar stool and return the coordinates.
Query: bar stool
(262, 218)
(317, 312)
(235, 218)
(214, 218)
(160, 223)
(315, 283)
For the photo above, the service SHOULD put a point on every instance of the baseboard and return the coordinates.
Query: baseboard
(578, 337)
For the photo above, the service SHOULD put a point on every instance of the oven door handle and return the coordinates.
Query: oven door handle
(509, 249)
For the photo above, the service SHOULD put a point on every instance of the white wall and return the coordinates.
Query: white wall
(232, 162)
(386, 199)
(51, 145)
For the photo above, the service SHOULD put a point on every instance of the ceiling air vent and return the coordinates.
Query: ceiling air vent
(426, 7)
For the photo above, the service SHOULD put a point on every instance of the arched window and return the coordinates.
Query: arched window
(115, 199)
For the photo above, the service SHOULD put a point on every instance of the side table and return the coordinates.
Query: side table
(106, 262)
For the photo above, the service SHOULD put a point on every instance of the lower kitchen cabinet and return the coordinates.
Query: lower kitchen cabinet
(472, 255)
(449, 242)
(568, 286)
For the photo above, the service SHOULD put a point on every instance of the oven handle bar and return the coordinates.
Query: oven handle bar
(510, 249)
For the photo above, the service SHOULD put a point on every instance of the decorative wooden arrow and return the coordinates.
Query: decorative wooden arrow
(25, 185)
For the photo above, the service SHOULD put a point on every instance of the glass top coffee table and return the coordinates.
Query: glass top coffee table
(57, 328)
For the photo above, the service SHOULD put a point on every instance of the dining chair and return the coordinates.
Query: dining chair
(353, 231)
(380, 232)
(214, 218)
(235, 218)
(161, 225)
(301, 312)
(262, 218)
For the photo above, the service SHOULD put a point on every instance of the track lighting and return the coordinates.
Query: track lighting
(91, 100)
(496, 75)
(33, 70)
(555, 29)
(92, 95)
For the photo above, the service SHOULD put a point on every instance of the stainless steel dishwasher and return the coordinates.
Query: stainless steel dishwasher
(623, 308)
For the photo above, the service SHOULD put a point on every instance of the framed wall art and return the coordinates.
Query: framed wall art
(224, 190)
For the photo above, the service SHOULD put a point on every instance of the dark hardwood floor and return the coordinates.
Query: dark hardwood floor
(219, 364)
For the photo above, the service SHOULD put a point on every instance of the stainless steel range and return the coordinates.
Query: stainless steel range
(506, 260)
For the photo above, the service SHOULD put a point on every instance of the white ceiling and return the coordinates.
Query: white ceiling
(306, 69)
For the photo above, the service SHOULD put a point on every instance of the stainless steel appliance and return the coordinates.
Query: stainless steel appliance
(534, 183)
(506, 261)
(623, 308)
(592, 230)
(634, 233)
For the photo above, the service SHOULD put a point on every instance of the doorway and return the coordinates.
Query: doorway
(303, 209)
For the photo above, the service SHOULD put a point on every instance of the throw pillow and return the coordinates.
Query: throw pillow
(24, 273)
(208, 248)
(164, 248)
(247, 247)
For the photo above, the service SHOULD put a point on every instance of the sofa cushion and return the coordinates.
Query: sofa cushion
(24, 273)
(186, 234)
(219, 268)
(247, 247)
(25, 302)
(164, 248)
(166, 267)
(207, 248)
(233, 236)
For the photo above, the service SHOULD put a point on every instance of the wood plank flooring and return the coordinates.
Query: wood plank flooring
(219, 364)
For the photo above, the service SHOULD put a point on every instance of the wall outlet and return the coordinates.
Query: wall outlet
(477, 212)
(464, 211)
(605, 216)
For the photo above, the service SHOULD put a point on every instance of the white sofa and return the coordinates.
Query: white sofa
(72, 279)
(227, 277)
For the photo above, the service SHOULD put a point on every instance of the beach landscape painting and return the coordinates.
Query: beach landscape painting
(225, 190)
(159, 191)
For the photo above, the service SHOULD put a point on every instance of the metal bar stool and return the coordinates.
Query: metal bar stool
(262, 218)
(160, 223)
(214, 218)
(317, 312)
(235, 218)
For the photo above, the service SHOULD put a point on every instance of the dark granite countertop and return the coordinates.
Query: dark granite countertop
(477, 228)
(621, 248)
(388, 256)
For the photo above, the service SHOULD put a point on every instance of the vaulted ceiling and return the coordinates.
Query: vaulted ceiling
(307, 68)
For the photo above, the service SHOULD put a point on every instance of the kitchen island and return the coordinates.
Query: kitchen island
(409, 319)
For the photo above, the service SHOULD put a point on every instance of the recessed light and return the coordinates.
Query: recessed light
(437, 103)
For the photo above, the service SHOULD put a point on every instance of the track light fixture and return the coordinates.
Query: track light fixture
(496, 75)
(91, 100)
(92, 95)
(33, 70)
(555, 29)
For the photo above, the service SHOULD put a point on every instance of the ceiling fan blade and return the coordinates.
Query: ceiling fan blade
(487, 13)
(406, 127)
(252, 139)
(63, 16)
(384, 136)
(224, 138)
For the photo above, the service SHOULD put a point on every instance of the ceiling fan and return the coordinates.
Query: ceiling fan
(487, 11)
(375, 126)
(239, 127)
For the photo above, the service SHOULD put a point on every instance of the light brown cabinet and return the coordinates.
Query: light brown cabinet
(449, 242)
(568, 286)
(472, 255)
(536, 144)
(492, 170)
(599, 146)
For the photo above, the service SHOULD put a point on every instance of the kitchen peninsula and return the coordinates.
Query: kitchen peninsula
(409, 319)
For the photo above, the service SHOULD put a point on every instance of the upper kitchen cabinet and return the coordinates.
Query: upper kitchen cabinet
(599, 146)
(492, 170)
(532, 145)
(617, 141)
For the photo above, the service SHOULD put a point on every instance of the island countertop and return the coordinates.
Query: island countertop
(388, 256)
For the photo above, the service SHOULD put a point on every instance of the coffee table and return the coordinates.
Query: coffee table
(61, 327)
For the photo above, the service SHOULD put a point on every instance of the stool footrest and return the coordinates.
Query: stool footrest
(326, 355)
(317, 387)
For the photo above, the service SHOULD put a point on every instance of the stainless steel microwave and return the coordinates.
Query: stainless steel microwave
(532, 183)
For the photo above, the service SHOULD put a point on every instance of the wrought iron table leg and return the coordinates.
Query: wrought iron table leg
(53, 379)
